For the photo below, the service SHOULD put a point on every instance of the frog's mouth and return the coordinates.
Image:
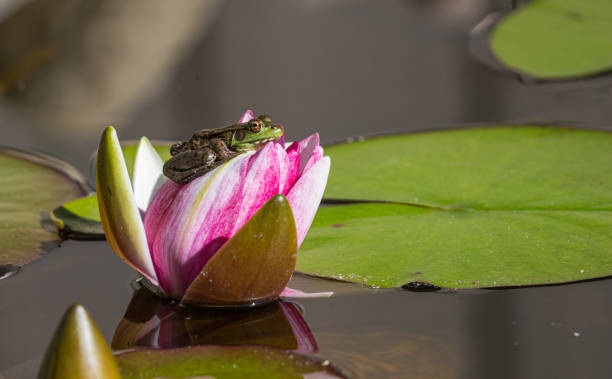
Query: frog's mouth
(265, 140)
(255, 145)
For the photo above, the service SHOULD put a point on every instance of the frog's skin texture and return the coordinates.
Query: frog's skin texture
(209, 148)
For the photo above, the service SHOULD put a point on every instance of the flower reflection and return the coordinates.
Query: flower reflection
(150, 321)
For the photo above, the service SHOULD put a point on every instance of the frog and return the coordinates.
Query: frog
(210, 148)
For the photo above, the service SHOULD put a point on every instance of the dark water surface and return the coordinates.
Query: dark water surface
(554, 331)
(343, 68)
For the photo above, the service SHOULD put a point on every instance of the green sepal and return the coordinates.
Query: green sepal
(78, 350)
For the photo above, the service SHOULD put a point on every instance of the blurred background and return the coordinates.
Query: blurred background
(68, 68)
(163, 69)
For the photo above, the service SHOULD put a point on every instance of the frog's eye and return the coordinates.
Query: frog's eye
(255, 125)
(265, 118)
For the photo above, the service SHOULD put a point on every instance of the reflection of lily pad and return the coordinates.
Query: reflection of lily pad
(500, 207)
(221, 362)
(80, 219)
(31, 185)
(555, 39)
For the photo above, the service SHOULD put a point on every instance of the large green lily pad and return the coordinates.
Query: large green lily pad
(221, 362)
(31, 185)
(471, 208)
(556, 39)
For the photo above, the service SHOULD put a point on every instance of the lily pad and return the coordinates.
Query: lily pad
(468, 208)
(513, 168)
(222, 362)
(79, 219)
(556, 39)
(31, 185)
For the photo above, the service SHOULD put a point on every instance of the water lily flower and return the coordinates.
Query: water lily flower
(228, 237)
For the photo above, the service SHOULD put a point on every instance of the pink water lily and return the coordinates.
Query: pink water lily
(233, 214)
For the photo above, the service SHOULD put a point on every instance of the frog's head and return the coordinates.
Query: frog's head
(252, 135)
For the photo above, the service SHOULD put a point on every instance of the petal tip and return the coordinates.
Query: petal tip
(78, 348)
(109, 130)
(246, 116)
(279, 198)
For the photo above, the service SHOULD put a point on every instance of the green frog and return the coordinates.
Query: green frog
(210, 148)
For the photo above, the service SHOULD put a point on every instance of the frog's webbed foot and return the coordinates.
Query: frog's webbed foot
(188, 165)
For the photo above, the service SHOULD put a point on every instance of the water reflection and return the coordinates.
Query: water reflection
(153, 322)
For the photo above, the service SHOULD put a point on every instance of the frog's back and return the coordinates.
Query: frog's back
(212, 133)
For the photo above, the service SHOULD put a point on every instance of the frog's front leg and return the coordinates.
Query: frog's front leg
(188, 165)
(177, 148)
(221, 149)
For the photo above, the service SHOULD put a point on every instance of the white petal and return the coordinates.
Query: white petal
(148, 173)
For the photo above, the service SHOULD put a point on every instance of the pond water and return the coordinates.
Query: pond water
(343, 68)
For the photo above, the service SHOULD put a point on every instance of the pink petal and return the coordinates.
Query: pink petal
(208, 211)
(289, 167)
(166, 233)
(262, 182)
(174, 226)
(306, 195)
(148, 334)
(290, 293)
(295, 146)
(301, 331)
(247, 116)
(281, 140)
(158, 207)
(307, 146)
(317, 154)
(166, 329)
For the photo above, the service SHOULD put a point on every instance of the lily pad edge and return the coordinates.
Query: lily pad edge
(51, 162)
(204, 350)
